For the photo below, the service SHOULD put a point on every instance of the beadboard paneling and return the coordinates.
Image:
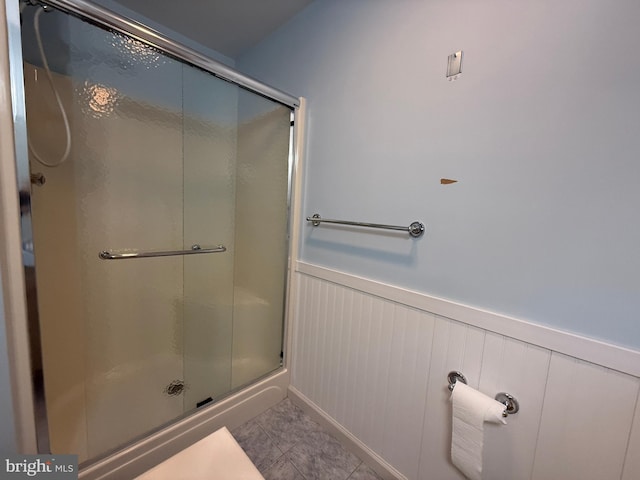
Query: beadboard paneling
(519, 369)
(411, 352)
(586, 421)
(632, 462)
(365, 361)
(591, 350)
(379, 369)
(455, 347)
(492, 363)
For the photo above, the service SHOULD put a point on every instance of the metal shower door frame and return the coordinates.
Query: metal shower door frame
(104, 18)
(131, 28)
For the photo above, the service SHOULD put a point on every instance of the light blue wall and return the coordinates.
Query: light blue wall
(542, 132)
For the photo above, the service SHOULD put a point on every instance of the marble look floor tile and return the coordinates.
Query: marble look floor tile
(286, 424)
(283, 469)
(363, 472)
(319, 456)
(258, 446)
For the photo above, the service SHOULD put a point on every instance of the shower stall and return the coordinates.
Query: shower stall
(155, 227)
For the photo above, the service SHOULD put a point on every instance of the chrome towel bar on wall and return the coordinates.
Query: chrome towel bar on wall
(195, 250)
(416, 229)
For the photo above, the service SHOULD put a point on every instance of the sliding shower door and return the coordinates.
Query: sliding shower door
(160, 239)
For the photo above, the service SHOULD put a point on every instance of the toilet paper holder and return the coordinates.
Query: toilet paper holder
(510, 403)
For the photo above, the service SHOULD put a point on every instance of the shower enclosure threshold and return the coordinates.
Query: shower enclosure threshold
(230, 412)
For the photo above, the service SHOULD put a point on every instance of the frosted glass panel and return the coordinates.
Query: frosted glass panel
(210, 138)
(261, 236)
(163, 157)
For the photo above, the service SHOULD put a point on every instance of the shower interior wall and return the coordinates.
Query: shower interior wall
(142, 325)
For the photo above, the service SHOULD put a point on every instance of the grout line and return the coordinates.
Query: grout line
(285, 454)
(275, 444)
(271, 466)
(296, 469)
(354, 471)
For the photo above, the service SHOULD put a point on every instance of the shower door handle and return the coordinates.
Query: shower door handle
(195, 250)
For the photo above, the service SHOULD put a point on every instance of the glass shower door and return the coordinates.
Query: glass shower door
(210, 144)
(236, 177)
(163, 157)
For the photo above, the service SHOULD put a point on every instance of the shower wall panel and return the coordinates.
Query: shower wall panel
(59, 277)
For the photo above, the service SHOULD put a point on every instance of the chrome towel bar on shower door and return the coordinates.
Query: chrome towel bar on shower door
(416, 229)
(195, 250)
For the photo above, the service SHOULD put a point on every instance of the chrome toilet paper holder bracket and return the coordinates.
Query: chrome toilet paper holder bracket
(510, 403)
(454, 377)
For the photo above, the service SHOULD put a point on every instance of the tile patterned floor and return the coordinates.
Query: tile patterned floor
(285, 444)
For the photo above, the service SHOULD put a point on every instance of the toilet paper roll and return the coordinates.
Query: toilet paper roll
(471, 409)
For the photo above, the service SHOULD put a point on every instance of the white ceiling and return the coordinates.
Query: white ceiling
(228, 26)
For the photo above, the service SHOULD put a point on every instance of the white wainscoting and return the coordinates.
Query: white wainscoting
(373, 359)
